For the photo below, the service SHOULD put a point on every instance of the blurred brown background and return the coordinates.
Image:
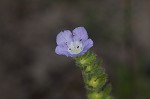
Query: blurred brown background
(30, 69)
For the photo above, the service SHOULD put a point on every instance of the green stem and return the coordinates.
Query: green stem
(94, 76)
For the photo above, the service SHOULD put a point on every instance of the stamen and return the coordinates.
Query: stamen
(75, 47)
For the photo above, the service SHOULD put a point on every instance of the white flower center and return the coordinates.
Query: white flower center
(75, 47)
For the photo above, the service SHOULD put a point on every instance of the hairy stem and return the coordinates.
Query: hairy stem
(94, 76)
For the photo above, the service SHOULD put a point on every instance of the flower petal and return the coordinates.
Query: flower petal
(62, 51)
(64, 37)
(80, 33)
(86, 45)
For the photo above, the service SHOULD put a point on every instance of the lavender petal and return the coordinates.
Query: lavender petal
(62, 51)
(64, 37)
(87, 45)
(80, 34)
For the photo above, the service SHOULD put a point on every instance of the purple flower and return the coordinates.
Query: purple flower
(73, 43)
